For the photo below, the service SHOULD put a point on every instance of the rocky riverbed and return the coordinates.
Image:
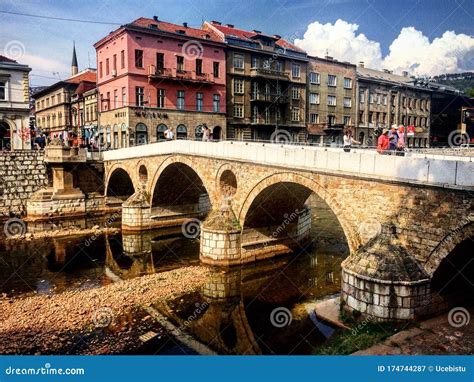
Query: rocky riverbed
(104, 320)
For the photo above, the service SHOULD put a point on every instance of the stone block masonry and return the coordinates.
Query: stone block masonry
(21, 174)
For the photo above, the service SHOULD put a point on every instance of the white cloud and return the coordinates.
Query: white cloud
(411, 50)
(45, 66)
(340, 41)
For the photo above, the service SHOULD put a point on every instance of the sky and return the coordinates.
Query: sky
(425, 37)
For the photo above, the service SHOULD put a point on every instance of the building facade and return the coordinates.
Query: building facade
(266, 85)
(84, 112)
(55, 114)
(331, 99)
(155, 75)
(385, 99)
(14, 105)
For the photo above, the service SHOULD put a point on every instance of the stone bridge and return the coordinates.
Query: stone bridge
(403, 217)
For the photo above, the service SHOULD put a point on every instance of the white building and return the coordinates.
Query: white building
(14, 105)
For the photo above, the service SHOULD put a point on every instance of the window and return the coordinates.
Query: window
(371, 98)
(160, 132)
(267, 116)
(138, 58)
(332, 80)
(181, 132)
(180, 99)
(254, 62)
(180, 63)
(59, 98)
(122, 59)
(295, 71)
(314, 78)
(115, 99)
(295, 114)
(107, 67)
(347, 83)
(347, 101)
(238, 61)
(198, 66)
(161, 98)
(215, 69)
(347, 120)
(139, 95)
(100, 70)
(216, 103)
(124, 96)
(385, 101)
(238, 86)
(314, 98)
(362, 97)
(160, 62)
(295, 93)
(53, 99)
(279, 66)
(114, 63)
(199, 101)
(331, 100)
(314, 118)
(331, 120)
(379, 99)
(108, 101)
(255, 114)
(238, 110)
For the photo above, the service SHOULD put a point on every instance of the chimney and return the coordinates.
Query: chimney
(215, 22)
(277, 36)
(155, 18)
(230, 25)
(185, 25)
(256, 31)
(405, 73)
(361, 64)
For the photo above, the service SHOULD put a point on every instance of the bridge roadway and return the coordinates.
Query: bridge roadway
(429, 169)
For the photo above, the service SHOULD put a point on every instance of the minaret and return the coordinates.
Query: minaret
(74, 67)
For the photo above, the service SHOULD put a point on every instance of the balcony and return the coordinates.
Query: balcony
(269, 97)
(179, 75)
(273, 122)
(269, 74)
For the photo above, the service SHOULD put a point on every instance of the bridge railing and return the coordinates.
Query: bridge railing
(457, 172)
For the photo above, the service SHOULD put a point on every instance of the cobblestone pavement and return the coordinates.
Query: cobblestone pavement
(434, 336)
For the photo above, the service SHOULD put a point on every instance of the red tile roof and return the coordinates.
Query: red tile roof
(5, 59)
(86, 77)
(174, 28)
(247, 35)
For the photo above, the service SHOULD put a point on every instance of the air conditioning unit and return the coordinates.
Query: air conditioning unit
(114, 73)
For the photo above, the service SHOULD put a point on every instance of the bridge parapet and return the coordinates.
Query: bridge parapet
(439, 171)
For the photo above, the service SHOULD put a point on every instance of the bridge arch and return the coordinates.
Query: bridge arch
(119, 183)
(178, 185)
(303, 186)
(449, 243)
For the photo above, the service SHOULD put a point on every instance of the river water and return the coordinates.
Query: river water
(264, 308)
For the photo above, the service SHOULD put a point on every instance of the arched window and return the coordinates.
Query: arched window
(181, 132)
(160, 132)
(123, 136)
(141, 134)
(108, 138)
(216, 133)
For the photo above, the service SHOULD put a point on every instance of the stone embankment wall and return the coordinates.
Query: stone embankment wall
(21, 174)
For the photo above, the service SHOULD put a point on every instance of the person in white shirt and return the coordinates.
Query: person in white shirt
(348, 141)
(169, 135)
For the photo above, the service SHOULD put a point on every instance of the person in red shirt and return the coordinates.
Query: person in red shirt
(383, 142)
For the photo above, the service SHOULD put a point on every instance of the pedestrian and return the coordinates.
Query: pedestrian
(383, 143)
(401, 141)
(393, 138)
(169, 135)
(206, 134)
(348, 141)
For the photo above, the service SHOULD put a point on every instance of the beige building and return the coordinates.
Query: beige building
(53, 105)
(266, 85)
(14, 105)
(384, 99)
(330, 99)
(84, 111)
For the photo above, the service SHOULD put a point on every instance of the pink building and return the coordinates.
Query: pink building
(154, 75)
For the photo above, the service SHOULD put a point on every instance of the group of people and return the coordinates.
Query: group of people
(390, 141)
